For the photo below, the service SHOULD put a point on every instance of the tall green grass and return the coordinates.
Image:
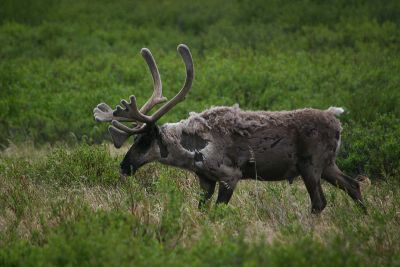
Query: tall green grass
(49, 218)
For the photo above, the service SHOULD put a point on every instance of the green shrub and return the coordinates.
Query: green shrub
(83, 164)
(372, 148)
(60, 59)
(115, 239)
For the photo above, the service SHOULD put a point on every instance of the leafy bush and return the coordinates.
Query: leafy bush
(57, 65)
(372, 148)
(84, 164)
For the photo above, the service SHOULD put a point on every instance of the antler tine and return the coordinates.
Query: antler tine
(118, 137)
(187, 59)
(103, 113)
(120, 132)
(156, 97)
(131, 111)
(130, 131)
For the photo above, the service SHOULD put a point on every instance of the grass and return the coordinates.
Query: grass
(50, 218)
(61, 199)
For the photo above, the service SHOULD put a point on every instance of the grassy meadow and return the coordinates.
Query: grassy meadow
(61, 199)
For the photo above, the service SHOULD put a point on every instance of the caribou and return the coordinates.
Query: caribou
(226, 144)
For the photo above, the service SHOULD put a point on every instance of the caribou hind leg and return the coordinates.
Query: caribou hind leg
(336, 177)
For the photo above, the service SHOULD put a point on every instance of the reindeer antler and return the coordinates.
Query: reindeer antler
(120, 132)
(104, 112)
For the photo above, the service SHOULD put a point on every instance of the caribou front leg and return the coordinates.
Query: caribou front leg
(228, 176)
(207, 189)
(225, 190)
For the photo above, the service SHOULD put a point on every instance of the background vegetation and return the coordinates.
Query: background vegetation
(61, 201)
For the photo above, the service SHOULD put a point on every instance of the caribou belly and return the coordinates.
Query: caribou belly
(271, 158)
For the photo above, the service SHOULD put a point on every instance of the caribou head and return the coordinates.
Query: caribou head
(148, 145)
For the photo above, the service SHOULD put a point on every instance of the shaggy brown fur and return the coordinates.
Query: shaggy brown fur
(227, 144)
(233, 120)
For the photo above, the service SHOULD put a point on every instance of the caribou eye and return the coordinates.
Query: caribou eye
(146, 141)
(143, 142)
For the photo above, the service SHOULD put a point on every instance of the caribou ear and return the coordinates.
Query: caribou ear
(118, 137)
